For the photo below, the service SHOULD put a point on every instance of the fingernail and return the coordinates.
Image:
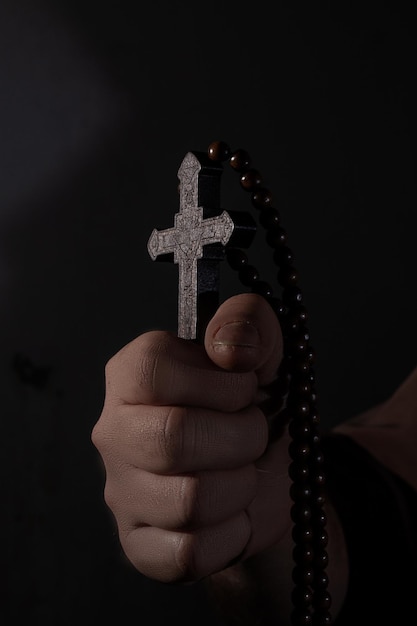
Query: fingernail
(236, 334)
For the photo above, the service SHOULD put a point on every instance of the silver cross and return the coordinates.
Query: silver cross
(188, 239)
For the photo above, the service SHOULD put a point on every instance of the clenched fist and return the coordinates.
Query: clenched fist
(190, 477)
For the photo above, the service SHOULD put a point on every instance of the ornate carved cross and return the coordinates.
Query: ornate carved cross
(197, 240)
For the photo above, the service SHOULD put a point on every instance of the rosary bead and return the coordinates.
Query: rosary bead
(322, 599)
(302, 388)
(298, 409)
(302, 575)
(301, 618)
(302, 534)
(320, 519)
(302, 596)
(240, 160)
(287, 276)
(298, 450)
(322, 618)
(276, 237)
(262, 288)
(279, 307)
(322, 539)
(261, 198)
(250, 180)
(321, 580)
(298, 472)
(283, 256)
(292, 295)
(248, 275)
(236, 258)
(218, 151)
(321, 560)
(269, 218)
(300, 491)
(303, 554)
(299, 429)
(300, 513)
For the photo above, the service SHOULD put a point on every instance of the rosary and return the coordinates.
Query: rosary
(201, 237)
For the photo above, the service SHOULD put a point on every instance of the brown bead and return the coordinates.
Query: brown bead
(250, 180)
(262, 198)
(218, 151)
(269, 218)
(240, 160)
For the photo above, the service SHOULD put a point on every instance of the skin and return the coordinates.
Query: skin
(196, 491)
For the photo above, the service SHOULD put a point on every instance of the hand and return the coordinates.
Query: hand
(190, 477)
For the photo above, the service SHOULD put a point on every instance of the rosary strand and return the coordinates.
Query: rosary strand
(294, 399)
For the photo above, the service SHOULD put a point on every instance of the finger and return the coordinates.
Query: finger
(167, 440)
(179, 502)
(244, 335)
(170, 556)
(159, 368)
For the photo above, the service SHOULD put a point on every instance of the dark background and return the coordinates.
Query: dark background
(98, 105)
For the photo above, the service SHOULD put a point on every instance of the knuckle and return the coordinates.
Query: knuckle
(172, 437)
(188, 502)
(110, 497)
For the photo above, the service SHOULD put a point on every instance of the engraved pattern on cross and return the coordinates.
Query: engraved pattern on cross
(191, 232)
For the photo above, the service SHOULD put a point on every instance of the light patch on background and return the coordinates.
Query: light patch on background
(56, 104)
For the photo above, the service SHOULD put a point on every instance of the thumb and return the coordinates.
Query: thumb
(244, 335)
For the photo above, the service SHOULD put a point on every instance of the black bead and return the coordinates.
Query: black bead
(300, 513)
(248, 274)
(322, 618)
(298, 472)
(300, 617)
(299, 451)
(292, 295)
(283, 256)
(262, 288)
(299, 429)
(300, 492)
(276, 237)
(302, 575)
(303, 555)
(322, 599)
(301, 596)
(302, 534)
(236, 258)
(287, 276)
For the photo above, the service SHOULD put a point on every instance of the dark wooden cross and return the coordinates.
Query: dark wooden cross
(197, 241)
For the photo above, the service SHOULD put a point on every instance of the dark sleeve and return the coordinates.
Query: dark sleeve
(378, 512)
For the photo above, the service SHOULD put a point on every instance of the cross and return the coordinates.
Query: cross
(197, 241)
